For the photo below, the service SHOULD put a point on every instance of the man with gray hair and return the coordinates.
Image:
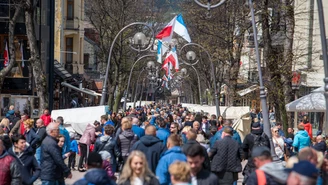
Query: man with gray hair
(303, 173)
(52, 162)
(65, 133)
(136, 128)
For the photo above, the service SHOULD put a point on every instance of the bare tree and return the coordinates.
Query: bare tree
(12, 59)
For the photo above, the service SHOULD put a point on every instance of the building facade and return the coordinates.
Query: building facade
(69, 35)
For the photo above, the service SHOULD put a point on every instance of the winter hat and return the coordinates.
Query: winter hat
(256, 125)
(261, 151)
(105, 155)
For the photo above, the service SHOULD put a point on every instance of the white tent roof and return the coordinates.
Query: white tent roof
(314, 102)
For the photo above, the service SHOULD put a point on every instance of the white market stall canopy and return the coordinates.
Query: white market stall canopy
(77, 119)
(227, 112)
(313, 102)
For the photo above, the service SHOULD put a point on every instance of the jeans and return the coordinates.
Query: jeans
(60, 182)
(45, 182)
(38, 155)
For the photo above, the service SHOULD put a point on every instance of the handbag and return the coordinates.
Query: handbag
(285, 156)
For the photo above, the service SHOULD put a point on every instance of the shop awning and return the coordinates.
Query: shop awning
(248, 90)
(61, 71)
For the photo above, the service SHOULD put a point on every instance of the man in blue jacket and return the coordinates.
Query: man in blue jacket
(217, 136)
(173, 154)
(162, 133)
(136, 128)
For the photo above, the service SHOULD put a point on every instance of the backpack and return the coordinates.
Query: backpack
(260, 140)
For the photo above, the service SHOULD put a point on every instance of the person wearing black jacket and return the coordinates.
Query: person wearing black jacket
(248, 145)
(109, 144)
(320, 145)
(191, 136)
(24, 154)
(40, 130)
(151, 146)
(199, 175)
(227, 156)
(52, 157)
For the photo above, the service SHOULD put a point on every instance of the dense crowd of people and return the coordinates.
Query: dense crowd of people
(159, 144)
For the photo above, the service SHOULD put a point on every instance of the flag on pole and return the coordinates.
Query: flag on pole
(21, 50)
(173, 59)
(6, 56)
(161, 50)
(181, 29)
(167, 32)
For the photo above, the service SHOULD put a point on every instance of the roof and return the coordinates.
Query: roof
(61, 71)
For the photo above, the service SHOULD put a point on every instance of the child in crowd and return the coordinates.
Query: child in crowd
(106, 164)
(60, 176)
(73, 151)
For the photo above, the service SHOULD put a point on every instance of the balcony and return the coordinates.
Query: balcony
(72, 24)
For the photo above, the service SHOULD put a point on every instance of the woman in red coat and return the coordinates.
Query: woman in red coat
(307, 126)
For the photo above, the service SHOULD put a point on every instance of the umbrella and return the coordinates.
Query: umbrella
(313, 102)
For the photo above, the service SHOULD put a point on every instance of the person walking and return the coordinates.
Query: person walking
(95, 174)
(126, 139)
(108, 143)
(136, 171)
(173, 154)
(227, 156)
(52, 157)
(151, 146)
(31, 137)
(86, 140)
(307, 126)
(40, 130)
(192, 136)
(65, 133)
(217, 136)
(162, 132)
(255, 139)
(24, 155)
(136, 128)
(74, 149)
(267, 172)
(11, 172)
(301, 139)
(180, 173)
(199, 175)
(18, 128)
(278, 143)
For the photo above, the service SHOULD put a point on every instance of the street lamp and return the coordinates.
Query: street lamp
(150, 63)
(139, 40)
(192, 55)
(265, 112)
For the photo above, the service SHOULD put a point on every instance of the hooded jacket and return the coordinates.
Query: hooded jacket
(95, 176)
(107, 143)
(152, 147)
(275, 175)
(126, 140)
(163, 134)
(89, 135)
(30, 169)
(10, 173)
(301, 140)
(170, 156)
